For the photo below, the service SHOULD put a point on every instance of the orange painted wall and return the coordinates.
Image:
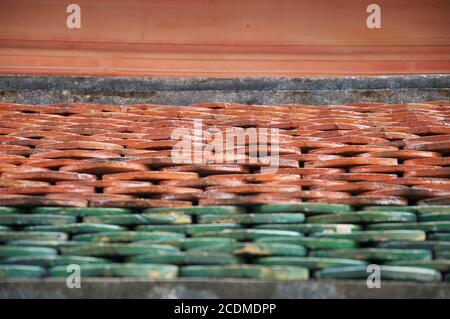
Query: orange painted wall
(224, 38)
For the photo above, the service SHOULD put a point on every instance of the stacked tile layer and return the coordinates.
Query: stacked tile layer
(145, 190)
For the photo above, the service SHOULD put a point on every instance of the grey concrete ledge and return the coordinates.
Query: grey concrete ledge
(136, 84)
(184, 97)
(186, 91)
(212, 288)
